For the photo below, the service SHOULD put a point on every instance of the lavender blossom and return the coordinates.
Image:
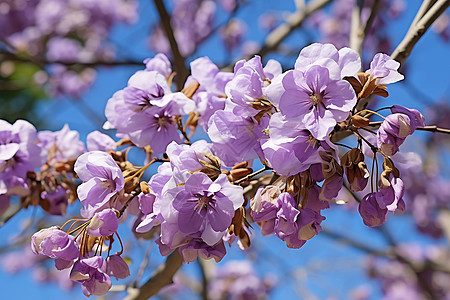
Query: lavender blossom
(290, 148)
(62, 145)
(396, 127)
(384, 69)
(102, 181)
(97, 141)
(264, 207)
(103, 223)
(54, 243)
(18, 155)
(159, 63)
(314, 98)
(117, 267)
(371, 211)
(235, 138)
(91, 272)
(206, 207)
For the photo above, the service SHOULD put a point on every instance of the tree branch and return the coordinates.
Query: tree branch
(162, 277)
(179, 60)
(294, 21)
(418, 29)
(42, 61)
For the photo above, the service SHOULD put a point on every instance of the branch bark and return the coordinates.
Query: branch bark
(162, 277)
(179, 60)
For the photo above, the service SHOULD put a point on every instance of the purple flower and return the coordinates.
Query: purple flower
(91, 272)
(342, 63)
(384, 69)
(145, 109)
(117, 267)
(97, 141)
(312, 97)
(370, 210)
(394, 130)
(296, 226)
(198, 248)
(235, 138)
(56, 201)
(62, 145)
(264, 207)
(210, 96)
(206, 207)
(54, 243)
(415, 117)
(159, 63)
(103, 223)
(392, 194)
(18, 153)
(290, 148)
(245, 90)
(102, 180)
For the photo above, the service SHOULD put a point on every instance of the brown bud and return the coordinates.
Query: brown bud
(237, 174)
(144, 187)
(360, 121)
(190, 90)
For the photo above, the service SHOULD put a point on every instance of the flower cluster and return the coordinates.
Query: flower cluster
(205, 194)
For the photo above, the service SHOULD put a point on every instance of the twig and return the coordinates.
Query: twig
(162, 277)
(434, 128)
(418, 29)
(42, 61)
(204, 291)
(179, 60)
(294, 21)
(356, 40)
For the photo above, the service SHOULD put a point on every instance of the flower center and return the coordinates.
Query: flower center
(203, 202)
(312, 142)
(315, 98)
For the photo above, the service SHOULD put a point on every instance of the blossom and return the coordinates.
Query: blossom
(296, 226)
(198, 248)
(371, 211)
(264, 207)
(290, 148)
(102, 180)
(210, 95)
(97, 141)
(117, 267)
(236, 138)
(18, 154)
(54, 243)
(103, 223)
(62, 145)
(245, 90)
(396, 127)
(55, 202)
(159, 63)
(144, 111)
(91, 272)
(340, 63)
(314, 98)
(384, 69)
(207, 207)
